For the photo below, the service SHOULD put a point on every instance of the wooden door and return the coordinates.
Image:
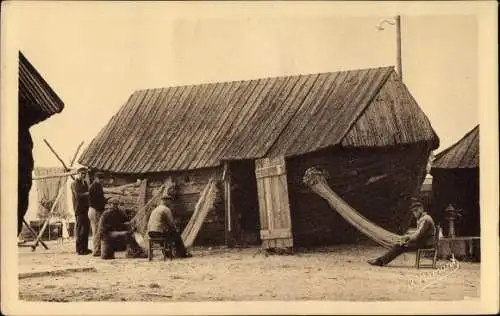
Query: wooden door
(274, 207)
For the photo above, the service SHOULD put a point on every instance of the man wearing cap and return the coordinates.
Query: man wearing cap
(161, 222)
(114, 229)
(422, 237)
(97, 202)
(80, 194)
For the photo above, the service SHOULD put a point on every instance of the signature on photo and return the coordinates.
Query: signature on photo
(426, 279)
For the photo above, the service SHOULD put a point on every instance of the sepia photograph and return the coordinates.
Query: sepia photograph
(266, 157)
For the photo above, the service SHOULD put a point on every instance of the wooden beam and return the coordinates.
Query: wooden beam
(55, 154)
(33, 232)
(47, 220)
(57, 175)
(205, 204)
(76, 154)
(59, 194)
(59, 158)
(120, 189)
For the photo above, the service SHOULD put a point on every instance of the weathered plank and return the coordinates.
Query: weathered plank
(203, 206)
(274, 208)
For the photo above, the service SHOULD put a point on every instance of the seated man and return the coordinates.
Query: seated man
(422, 237)
(161, 222)
(113, 230)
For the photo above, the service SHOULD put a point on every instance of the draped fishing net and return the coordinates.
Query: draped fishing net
(48, 191)
(315, 179)
(139, 222)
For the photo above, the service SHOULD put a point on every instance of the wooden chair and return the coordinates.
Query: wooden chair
(433, 251)
(158, 241)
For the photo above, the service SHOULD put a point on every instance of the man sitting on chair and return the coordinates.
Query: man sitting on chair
(113, 230)
(422, 237)
(161, 223)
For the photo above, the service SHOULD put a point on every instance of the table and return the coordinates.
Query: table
(466, 248)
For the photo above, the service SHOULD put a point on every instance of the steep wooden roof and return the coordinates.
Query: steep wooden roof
(37, 100)
(462, 154)
(198, 126)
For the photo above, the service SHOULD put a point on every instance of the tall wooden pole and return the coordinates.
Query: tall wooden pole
(398, 39)
(227, 205)
(395, 21)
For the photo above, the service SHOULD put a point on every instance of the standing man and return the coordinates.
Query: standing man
(423, 237)
(80, 192)
(97, 202)
(161, 222)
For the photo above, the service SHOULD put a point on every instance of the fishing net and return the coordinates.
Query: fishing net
(315, 179)
(48, 191)
(205, 204)
(139, 222)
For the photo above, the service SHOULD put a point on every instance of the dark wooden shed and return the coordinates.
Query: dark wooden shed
(258, 137)
(37, 102)
(455, 173)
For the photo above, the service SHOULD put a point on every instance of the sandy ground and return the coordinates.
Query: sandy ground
(334, 273)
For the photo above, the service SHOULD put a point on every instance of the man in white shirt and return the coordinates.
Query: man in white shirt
(161, 223)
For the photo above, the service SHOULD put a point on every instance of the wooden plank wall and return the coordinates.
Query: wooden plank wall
(459, 187)
(190, 185)
(130, 198)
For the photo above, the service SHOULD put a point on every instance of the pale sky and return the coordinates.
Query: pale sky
(94, 57)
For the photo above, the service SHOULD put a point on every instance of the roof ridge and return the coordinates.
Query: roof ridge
(307, 112)
(264, 78)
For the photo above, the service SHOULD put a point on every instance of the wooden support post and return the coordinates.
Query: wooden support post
(33, 232)
(40, 234)
(226, 177)
(58, 175)
(59, 194)
(59, 158)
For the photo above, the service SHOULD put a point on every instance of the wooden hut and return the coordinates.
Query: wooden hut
(455, 174)
(258, 137)
(37, 102)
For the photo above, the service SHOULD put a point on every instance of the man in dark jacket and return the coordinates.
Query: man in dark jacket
(423, 237)
(114, 229)
(97, 202)
(80, 192)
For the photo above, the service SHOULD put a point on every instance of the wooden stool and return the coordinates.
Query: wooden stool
(433, 251)
(159, 241)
